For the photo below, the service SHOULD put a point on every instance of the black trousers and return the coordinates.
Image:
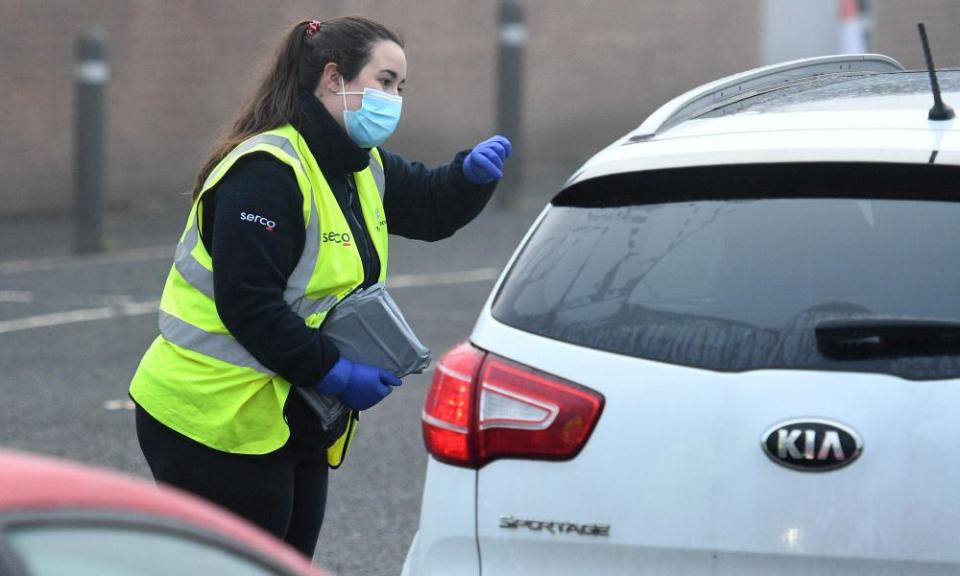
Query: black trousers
(283, 492)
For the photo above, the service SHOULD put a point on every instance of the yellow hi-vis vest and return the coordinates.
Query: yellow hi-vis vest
(196, 378)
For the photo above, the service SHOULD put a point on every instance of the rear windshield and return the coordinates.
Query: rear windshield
(738, 284)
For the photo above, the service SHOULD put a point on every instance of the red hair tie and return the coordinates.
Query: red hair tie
(312, 27)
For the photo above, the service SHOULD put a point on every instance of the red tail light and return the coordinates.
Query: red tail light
(481, 407)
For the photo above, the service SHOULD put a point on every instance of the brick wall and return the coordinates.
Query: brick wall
(180, 70)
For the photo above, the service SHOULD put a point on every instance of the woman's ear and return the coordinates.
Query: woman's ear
(330, 79)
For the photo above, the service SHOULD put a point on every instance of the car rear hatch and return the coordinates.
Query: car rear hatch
(778, 359)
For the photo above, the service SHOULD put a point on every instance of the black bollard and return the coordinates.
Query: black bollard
(510, 58)
(91, 75)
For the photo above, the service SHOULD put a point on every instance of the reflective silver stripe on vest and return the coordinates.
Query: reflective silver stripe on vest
(295, 293)
(188, 266)
(247, 145)
(378, 176)
(219, 346)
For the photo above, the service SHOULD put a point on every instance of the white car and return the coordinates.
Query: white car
(729, 346)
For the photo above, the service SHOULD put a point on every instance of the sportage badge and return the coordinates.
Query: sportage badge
(812, 444)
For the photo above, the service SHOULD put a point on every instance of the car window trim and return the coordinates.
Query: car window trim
(761, 181)
(98, 518)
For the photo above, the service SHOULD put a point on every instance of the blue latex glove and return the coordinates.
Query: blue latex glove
(484, 164)
(359, 386)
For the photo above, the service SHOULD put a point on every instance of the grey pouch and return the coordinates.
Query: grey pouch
(368, 327)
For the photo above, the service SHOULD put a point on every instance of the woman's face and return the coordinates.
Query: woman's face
(386, 70)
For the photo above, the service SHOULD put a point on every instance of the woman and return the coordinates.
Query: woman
(290, 215)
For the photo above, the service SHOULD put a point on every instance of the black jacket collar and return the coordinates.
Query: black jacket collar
(331, 146)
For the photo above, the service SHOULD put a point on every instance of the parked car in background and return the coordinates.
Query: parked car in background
(730, 345)
(58, 518)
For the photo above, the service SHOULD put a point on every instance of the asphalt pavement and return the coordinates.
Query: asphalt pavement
(73, 328)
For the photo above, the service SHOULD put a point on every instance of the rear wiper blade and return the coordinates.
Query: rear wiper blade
(854, 338)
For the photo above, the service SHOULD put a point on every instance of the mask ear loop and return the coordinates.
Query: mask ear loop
(343, 93)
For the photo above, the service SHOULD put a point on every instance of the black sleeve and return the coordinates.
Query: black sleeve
(430, 204)
(257, 238)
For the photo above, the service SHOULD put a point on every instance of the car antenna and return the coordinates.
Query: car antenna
(940, 111)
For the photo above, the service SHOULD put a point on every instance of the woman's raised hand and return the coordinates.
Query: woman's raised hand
(484, 164)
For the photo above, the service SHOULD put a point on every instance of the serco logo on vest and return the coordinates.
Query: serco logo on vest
(336, 237)
(266, 223)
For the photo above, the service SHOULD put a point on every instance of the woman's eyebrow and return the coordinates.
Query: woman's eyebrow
(392, 74)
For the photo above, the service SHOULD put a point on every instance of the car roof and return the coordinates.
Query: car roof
(32, 483)
(906, 90)
(856, 108)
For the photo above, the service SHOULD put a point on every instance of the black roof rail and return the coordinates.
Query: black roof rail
(738, 86)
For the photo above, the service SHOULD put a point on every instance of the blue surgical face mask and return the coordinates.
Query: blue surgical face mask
(376, 119)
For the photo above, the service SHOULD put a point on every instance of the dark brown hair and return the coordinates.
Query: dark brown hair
(300, 60)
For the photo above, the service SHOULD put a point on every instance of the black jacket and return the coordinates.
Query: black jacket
(251, 263)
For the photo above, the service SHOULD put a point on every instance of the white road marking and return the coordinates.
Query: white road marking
(64, 262)
(166, 252)
(124, 309)
(17, 296)
(76, 316)
(441, 278)
(119, 404)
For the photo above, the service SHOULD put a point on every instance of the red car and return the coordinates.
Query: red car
(64, 519)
